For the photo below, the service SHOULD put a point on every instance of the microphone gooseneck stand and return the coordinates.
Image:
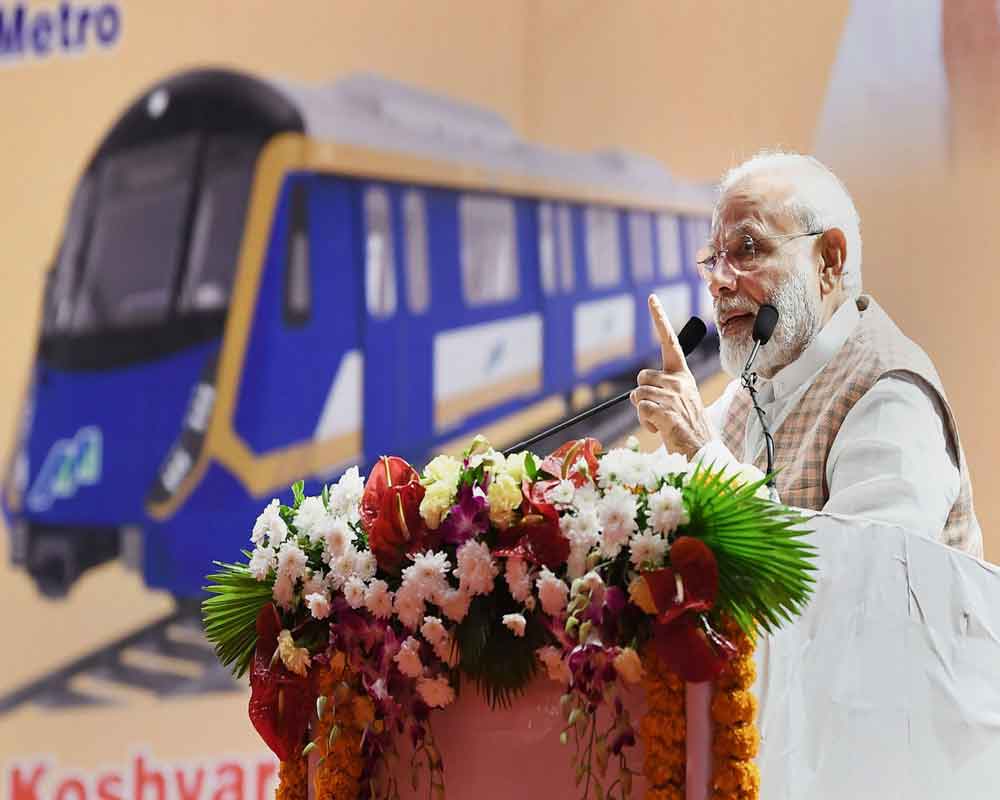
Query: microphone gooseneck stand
(763, 327)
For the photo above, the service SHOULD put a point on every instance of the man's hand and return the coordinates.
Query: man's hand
(668, 401)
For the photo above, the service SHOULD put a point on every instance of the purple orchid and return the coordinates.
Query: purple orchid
(468, 518)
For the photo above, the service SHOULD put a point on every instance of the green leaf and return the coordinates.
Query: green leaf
(326, 496)
(298, 493)
(530, 467)
(230, 615)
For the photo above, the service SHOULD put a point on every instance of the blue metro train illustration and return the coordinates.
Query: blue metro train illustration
(260, 281)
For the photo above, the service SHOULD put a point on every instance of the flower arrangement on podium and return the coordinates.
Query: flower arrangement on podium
(361, 612)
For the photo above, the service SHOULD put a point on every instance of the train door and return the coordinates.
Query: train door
(557, 273)
(300, 401)
(673, 284)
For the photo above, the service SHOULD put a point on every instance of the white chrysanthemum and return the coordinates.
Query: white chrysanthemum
(354, 592)
(562, 493)
(454, 604)
(613, 466)
(319, 604)
(408, 658)
(337, 537)
(311, 518)
(476, 570)
(647, 549)
(516, 623)
(616, 512)
(555, 666)
(271, 525)
(409, 607)
(666, 510)
(427, 575)
(295, 659)
(283, 592)
(518, 578)
(436, 692)
(345, 496)
(315, 581)
(262, 562)
(552, 591)
(378, 599)
(366, 565)
(665, 463)
(433, 630)
(291, 560)
(343, 567)
(586, 497)
(632, 443)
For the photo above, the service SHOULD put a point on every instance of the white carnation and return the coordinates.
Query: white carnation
(343, 567)
(616, 512)
(366, 565)
(552, 591)
(315, 581)
(433, 630)
(518, 579)
(345, 497)
(436, 692)
(311, 518)
(476, 570)
(291, 560)
(427, 575)
(270, 524)
(562, 493)
(319, 605)
(647, 549)
(283, 592)
(378, 599)
(516, 622)
(409, 607)
(354, 592)
(337, 538)
(666, 510)
(262, 562)
(408, 658)
(454, 604)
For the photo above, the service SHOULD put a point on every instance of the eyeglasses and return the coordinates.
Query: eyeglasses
(744, 252)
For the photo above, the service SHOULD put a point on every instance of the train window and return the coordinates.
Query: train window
(488, 249)
(669, 240)
(547, 248)
(567, 268)
(418, 288)
(380, 276)
(218, 225)
(135, 250)
(65, 274)
(604, 265)
(298, 288)
(640, 236)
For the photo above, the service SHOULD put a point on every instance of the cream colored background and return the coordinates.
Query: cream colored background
(697, 84)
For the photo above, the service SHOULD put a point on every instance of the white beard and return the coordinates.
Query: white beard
(799, 320)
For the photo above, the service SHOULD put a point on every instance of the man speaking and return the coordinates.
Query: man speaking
(858, 414)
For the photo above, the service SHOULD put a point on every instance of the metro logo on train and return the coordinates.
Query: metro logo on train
(31, 31)
(260, 281)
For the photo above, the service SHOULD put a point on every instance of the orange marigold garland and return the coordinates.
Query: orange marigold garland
(338, 731)
(663, 730)
(734, 710)
(293, 777)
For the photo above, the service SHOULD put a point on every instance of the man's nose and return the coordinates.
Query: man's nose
(722, 278)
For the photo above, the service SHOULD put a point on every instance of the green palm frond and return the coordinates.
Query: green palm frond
(230, 615)
(498, 662)
(765, 569)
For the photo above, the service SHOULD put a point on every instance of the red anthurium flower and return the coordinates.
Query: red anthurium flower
(281, 702)
(560, 463)
(390, 510)
(682, 593)
(537, 537)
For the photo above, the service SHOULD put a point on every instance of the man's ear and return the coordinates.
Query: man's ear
(833, 254)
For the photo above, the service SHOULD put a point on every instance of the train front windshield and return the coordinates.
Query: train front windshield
(152, 241)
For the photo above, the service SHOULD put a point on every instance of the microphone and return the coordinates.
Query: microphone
(689, 338)
(763, 328)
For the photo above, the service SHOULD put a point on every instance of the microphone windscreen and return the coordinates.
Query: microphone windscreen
(691, 334)
(763, 326)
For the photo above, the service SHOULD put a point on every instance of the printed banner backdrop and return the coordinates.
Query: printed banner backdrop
(107, 689)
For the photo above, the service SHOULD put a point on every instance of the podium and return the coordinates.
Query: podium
(887, 687)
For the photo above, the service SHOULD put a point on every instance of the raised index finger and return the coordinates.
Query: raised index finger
(670, 348)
